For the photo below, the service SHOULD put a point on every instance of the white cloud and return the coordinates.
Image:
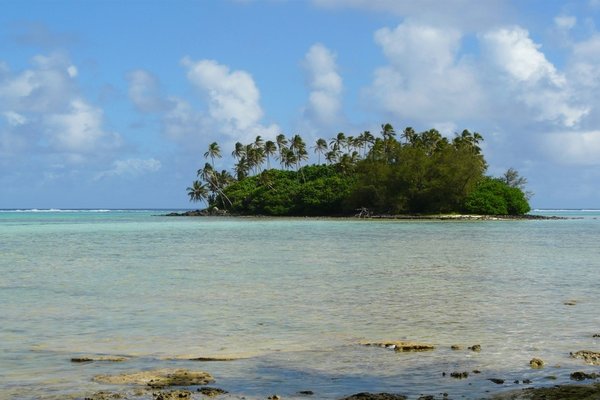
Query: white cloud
(530, 77)
(233, 100)
(512, 50)
(79, 129)
(144, 92)
(14, 118)
(72, 71)
(425, 79)
(46, 112)
(575, 148)
(324, 105)
(131, 167)
(565, 22)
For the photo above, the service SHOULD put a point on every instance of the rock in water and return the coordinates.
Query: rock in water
(173, 395)
(401, 346)
(158, 378)
(590, 357)
(580, 376)
(475, 347)
(375, 396)
(536, 363)
(211, 392)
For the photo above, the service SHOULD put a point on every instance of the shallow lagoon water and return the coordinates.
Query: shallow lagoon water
(293, 298)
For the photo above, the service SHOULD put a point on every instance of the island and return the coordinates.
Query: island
(417, 175)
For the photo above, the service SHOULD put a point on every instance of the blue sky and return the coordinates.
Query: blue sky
(110, 104)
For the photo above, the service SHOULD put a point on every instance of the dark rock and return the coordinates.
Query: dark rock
(306, 392)
(211, 391)
(402, 346)
(375, 396)
(590, 357)
(173, 395)
(460, 375)
(580, 376)
(551, 377)
(526, 381)
(426, 397)
(570, 302)
(274, 397)
(105, 396)
(456, 347)
(497, 381)
(476, 371)
(98, 358)
(475, 347)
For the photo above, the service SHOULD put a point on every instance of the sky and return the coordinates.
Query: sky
(112, 104)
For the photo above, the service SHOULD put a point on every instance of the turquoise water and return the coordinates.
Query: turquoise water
(293, 298)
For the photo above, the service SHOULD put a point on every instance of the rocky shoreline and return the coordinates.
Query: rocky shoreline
(367, 215)
(185, 384)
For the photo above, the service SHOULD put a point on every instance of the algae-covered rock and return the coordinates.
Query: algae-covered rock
(402, 346)
(580, 376)
(590, 357)
(158, 378)
(475, 347)
(105, 396)
(536, 363)
(86, 359)
(211, 391)
(459, 375)
(566, 392)
(173, 395)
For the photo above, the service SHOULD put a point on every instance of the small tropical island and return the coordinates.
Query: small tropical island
(417, 174)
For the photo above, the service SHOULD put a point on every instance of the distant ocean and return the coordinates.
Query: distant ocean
(292, 298)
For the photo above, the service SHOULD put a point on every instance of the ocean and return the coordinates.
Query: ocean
(291, 300)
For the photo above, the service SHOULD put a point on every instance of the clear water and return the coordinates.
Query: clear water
(293, 298)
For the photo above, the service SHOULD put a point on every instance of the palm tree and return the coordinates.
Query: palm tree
(198, 192)
(242, 168)
(298, 147)
(213, 151)
(281, 141)
(339, 141)
(239, 151)
(258, 142)
(270, 149)
(320, 148)
(288, 158)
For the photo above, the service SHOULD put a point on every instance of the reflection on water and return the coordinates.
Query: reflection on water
(293, 298)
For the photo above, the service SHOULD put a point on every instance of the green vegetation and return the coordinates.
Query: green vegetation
(420, 173)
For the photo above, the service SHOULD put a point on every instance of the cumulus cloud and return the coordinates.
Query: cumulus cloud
(531, 77)
(79, 129)
(45, 112)
(325, 83)
(232, 96)
(131, 167)
(426, 78)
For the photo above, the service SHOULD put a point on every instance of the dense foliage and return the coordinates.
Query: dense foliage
(420, 173)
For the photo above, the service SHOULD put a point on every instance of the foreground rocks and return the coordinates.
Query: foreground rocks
(567, 392)
(401, 346)
(375, 396)
(590, 357)
(158, 378)
(86, 359)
